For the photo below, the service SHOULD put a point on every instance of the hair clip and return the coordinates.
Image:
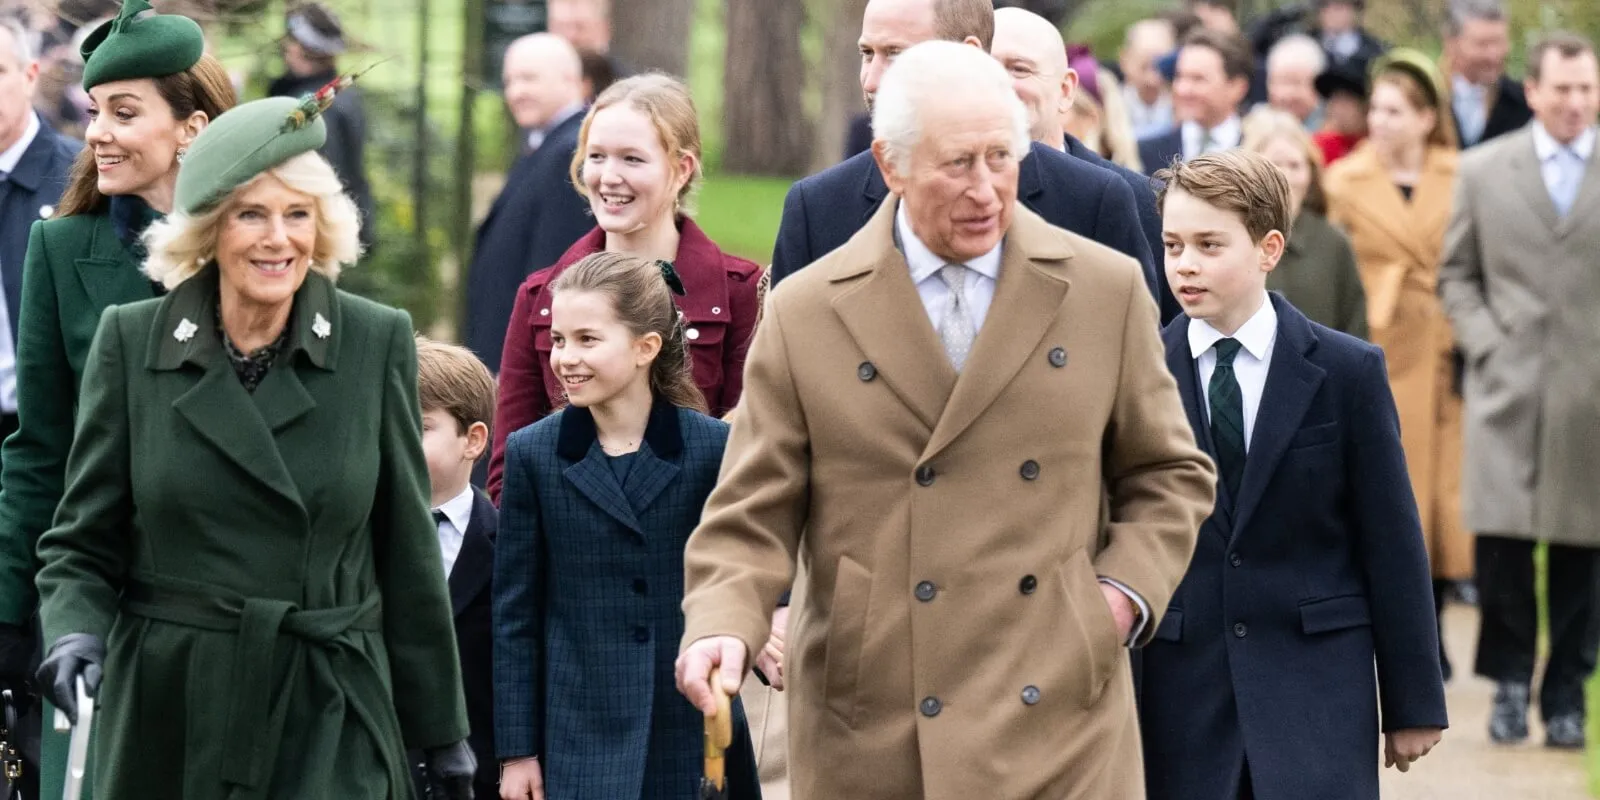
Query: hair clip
(670, 275)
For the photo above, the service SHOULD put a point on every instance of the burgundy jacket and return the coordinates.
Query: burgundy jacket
(720, 304)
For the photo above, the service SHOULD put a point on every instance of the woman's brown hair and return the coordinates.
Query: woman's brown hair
(1264, 126)
(203, 87)
(1422, 96)
(670, 107)
(639, 295)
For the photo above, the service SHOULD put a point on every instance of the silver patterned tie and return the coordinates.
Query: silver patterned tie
(955, 329)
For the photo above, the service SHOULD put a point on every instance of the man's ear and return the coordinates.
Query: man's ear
(477, 441)
(1069, 89)
(885, 160)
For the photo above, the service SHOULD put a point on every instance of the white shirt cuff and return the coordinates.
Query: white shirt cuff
(1144, 609)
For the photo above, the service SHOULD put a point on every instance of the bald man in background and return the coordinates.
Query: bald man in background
(538, 214)
(1034, 54)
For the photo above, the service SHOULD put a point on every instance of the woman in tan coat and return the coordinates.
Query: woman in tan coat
(1392, 196)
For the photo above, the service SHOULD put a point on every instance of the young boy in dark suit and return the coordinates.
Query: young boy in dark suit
(457, 396)
(1260, 682)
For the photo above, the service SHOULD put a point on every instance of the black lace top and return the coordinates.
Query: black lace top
(251, 367)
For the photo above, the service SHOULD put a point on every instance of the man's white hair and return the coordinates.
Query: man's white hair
(939, 71)
(1298, 49)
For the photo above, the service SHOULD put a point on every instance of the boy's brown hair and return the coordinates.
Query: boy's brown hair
(1239, 181)
(451, 379)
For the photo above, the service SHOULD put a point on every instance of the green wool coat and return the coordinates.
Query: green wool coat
(263, 567)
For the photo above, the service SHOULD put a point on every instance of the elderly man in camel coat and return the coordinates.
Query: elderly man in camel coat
(960, 422)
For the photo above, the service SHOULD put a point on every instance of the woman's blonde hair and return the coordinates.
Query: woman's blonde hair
(1116, 128)
(670, 107)
(181, 246)
(1266, 125)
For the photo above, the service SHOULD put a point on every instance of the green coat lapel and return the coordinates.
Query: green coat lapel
(108, 271)
(242, 425)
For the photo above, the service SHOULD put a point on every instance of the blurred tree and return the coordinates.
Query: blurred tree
(652, 34)
(764, 81)
(841, 77)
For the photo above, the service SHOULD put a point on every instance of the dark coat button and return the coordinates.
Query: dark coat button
(639, 586)
(866, 371)
(931, 706)
(925, 475)
(1235, 560)
(926, 591)
(1058, 357)
(1030, 470)
(1028, 584)
(641, 634)
(1240, 630)
(1030, 695)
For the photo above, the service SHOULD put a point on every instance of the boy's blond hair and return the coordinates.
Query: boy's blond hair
(451, 379)
(1239, 181)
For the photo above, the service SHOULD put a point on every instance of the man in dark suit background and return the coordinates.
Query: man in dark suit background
(1213, 76)
(823, 211)
(1486, 103)
(1034, 54)
(538, 214)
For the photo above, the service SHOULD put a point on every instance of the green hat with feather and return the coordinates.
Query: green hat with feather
(140, 43)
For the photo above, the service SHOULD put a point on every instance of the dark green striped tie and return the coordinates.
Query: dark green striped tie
(1227, 417)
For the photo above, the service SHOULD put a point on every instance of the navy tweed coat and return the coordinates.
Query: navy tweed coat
(588, 586)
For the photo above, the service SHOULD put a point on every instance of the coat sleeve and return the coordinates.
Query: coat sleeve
(417, 627)
(1389, 536)
(1118, 228)
(744, 301)
(792, 251)
(742, 556)
(34, 458)
(1352, 300)
(519, 611)
(522, 398)
(86, 553)
(1160, 486)
(1461, 278)
(563, 219)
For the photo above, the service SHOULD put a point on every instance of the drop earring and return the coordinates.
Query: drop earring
(182, 151)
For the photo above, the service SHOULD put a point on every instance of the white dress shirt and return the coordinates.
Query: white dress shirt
(1227, 136)
(537, 136)
(457, 515)
(983, 273)
(1549, 152)
(1257, 336)
(1342, 45)
(8, 348)
(1148, 119)
(1469, 101)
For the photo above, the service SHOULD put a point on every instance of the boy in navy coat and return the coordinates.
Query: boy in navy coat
(457, 397)
(1260, 682)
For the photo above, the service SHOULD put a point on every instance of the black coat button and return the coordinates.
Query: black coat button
(1028, 584)
(931, 706)
(1240, 630)
(1235, 560)
(1030, 470)
(926, 591)
(866, 371)
(641, 634)
(639, 586)
(925, 475)
(1058, 357)
(1030, 695)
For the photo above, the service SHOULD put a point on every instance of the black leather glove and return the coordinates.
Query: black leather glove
(16, 658)
(450, 771)
(71, 656)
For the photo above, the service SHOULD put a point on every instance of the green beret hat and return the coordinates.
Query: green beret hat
(139, 45)
(247, 141)
(1415, 63)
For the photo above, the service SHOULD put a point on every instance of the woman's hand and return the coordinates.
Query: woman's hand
(521, 779)
(71, 656)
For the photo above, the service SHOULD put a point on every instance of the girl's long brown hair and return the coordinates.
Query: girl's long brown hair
(202, 87)
(643, 303)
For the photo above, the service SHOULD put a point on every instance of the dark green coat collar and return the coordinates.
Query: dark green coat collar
(316, 308)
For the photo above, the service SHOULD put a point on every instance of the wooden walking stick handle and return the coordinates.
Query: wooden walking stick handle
(719, 733)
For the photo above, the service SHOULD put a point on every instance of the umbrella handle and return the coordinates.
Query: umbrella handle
(719, 733)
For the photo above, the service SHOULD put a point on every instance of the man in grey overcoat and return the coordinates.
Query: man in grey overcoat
(1519, 283)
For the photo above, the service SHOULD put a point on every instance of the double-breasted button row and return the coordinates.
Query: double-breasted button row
(866, 372)
(1235, 559)
(1030, 470)
(926, 591)
(1030, 695)
(1028, 584)
(1240, 630)
(1058, 357)
(930, 706)
(925, 475)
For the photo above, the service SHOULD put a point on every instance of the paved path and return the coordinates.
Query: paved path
(1466, 766)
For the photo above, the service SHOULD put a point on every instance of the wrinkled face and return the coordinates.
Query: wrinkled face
(537, 87)
(449, 449)
(1202, 91)
(581, 22)
(593, 354)
(267, 239)
(1567, 95)
(889, 28)
(1035, 74)
(1291, 87)
(1479, 53)
(17, 80)
(1290, 159)
(1214, 269)
(134, 136)
(1393, 121)
(631, 180)
(1337, 17)
(960, 186)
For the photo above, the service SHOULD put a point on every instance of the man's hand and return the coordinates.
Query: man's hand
(1402, 748)
(1122, 610)
(521, 779)
(725, 652)
(770, 659)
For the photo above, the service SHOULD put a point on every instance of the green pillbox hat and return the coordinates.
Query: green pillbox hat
(245, 142)
(139, 45)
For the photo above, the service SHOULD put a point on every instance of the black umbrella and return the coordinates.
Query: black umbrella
(719, 734)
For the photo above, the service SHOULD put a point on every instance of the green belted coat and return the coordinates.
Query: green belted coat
(263, 566)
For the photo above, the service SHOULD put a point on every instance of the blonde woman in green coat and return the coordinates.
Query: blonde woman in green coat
(151, 92)
(244, 564)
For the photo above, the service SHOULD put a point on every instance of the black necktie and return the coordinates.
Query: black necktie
(438, 517)
(1227, 417)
